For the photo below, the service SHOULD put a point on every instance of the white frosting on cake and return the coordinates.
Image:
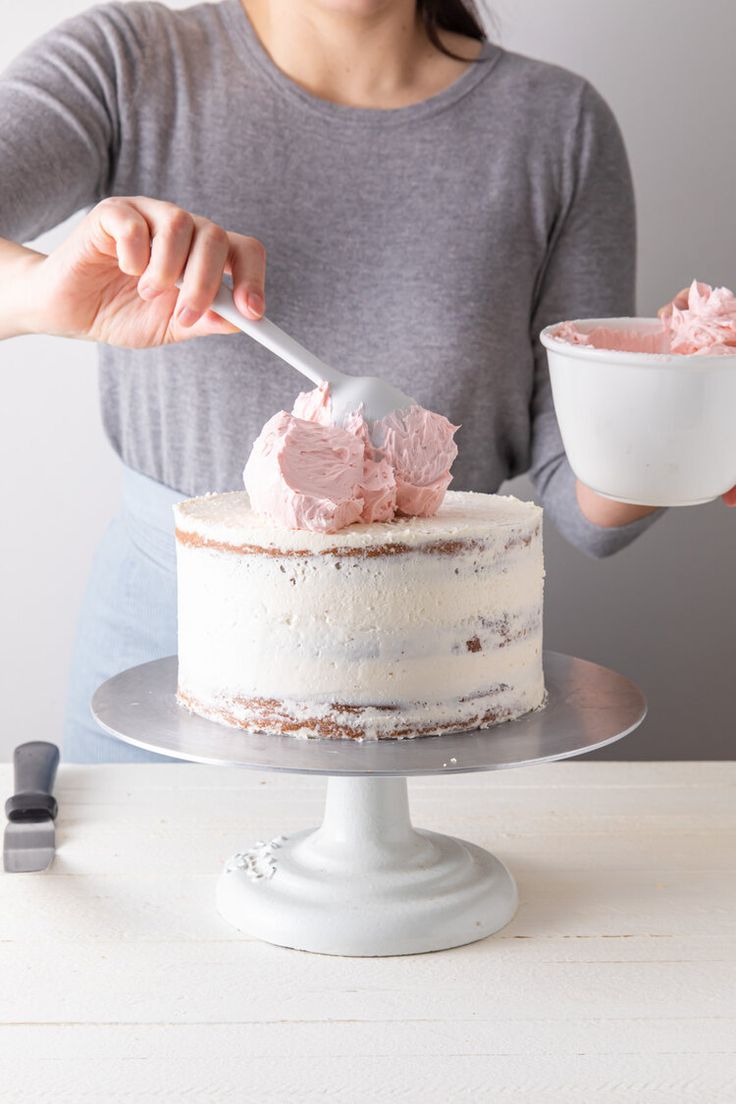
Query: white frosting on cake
(388, 629)
(463, 515)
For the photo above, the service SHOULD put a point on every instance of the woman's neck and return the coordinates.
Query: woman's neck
(379, 57)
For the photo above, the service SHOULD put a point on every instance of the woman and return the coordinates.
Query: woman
(428, 202)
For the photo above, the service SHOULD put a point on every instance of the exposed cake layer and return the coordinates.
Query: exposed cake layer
(342, 721)
(381, 630)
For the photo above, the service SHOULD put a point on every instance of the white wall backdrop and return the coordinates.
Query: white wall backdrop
(663, 611)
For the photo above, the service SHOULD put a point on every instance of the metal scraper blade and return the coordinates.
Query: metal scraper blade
(29, 845)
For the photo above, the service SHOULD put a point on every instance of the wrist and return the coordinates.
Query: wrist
(20, 270)
(28, 275)
(607, 513)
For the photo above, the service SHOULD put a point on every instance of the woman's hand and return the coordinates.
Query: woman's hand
(114, 279)
(680, 301)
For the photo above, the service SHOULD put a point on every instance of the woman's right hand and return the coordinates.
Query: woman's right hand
(114, 279)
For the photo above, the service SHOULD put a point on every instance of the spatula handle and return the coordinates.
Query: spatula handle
(35, 766)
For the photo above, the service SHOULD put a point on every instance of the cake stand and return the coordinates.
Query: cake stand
(366, 882)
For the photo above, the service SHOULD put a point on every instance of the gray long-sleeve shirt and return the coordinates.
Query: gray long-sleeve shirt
(429, 244)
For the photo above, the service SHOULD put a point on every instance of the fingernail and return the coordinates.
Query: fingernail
(255, 303)
(187, 317)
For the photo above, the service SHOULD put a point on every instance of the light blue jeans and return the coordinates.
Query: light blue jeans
(128, 613)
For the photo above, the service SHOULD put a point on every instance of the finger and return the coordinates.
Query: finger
(680, 301)
(204, 271)
(121, 231)
(170, 247)
(247, 262)
(730, 497)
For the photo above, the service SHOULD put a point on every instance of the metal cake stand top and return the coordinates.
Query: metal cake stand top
(588, 707)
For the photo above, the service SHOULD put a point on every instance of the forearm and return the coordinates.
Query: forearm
(606, 512)
(19, 312)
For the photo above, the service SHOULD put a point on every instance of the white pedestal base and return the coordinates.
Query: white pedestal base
(366, 882)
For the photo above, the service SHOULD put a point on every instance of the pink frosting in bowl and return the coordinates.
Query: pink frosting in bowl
(699, 321)
(306, 473)
(645, 405)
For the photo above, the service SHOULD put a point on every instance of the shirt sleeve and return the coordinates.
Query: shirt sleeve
(60, 120)
(589, 272)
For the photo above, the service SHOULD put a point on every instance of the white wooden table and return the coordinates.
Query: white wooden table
(615, 982)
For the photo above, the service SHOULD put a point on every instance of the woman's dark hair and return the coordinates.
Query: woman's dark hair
(458, 16)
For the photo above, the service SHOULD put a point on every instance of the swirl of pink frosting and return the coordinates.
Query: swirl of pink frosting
(702, 320)
(306, 473)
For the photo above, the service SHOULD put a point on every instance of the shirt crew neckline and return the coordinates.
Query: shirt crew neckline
(370, 116)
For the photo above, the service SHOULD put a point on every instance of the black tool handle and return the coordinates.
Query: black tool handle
(35, 766)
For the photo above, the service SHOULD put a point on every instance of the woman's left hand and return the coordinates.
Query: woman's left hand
(680, 301)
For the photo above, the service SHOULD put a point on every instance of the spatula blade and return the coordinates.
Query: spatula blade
(29, 845)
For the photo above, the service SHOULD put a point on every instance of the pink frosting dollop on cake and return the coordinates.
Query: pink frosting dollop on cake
(421, 449)
(700, 320)
(306, 473)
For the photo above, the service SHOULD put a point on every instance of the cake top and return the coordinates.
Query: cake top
(464, 515)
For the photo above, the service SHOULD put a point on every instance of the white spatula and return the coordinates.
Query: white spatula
(347, 392)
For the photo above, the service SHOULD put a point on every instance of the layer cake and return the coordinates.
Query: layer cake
(380, 631)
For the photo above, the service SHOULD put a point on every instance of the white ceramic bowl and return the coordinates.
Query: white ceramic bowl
(647, 428)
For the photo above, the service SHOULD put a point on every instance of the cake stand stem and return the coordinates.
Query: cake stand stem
(369, 815)
(366, 882)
